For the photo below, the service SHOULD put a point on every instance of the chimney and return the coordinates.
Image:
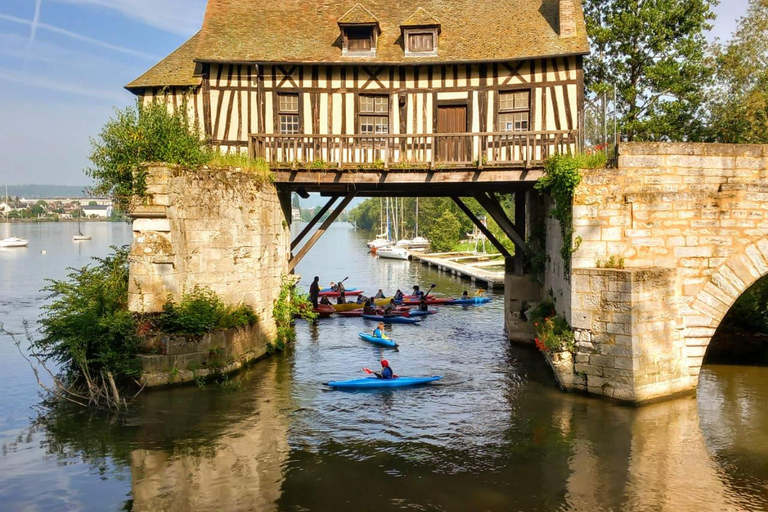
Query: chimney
(567, 18)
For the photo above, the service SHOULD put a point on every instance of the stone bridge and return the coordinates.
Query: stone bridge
(689, 225)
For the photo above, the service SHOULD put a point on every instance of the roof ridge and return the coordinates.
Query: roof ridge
(353, 15)
(420, 18)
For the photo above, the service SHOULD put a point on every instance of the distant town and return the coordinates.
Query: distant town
(55, 209)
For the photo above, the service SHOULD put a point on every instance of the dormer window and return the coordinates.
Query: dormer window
(359, 32)
(420, 33)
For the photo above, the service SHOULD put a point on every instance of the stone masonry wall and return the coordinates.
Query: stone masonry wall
(222, 229)
(700, 211)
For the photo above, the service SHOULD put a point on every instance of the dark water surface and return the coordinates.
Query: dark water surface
(495, 435)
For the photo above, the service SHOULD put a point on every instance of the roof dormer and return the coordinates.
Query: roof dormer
(359, 32)
(420, 34)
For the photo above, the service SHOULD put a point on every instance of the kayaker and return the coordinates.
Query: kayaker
(325, 301)
(368, 308)
(423, 306)
(334, 287)
(399, 295)
(314, 291)
(391, 307)
(417, 292)
(340, 287)
(378, 332)
(342, 298)
(379, 294)
(386, 371)
(361, 299)
(465, 295)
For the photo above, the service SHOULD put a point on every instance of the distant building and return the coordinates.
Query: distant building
(5, 208)
(99, 211)
(295, 214)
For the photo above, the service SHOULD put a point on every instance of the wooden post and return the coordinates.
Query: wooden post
(315, 237)
(520, 228)
(482, 228)
(493, 207)
(314, 221)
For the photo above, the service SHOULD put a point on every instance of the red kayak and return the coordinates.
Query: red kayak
(324, 311)
(401, 311)
(431, 301)
(346, 293)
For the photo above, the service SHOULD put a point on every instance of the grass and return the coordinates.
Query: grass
(591, 161)
(238, 161)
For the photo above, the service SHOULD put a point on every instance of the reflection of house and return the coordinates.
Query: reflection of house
(99, 211)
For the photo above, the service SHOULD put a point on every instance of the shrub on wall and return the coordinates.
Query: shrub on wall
(201, 311)
(290, 303)
(553, 334)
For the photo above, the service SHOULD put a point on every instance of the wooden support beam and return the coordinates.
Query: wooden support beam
(313, 222)
(481, 227)
(492, 206)
(316, 236)
(520, 227)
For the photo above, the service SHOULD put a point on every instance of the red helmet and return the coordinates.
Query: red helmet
(384, 363)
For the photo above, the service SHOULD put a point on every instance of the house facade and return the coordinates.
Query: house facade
(419, 83)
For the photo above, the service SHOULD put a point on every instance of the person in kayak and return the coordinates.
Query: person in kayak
(378, 332)
(334, 287)
(423, 306)
(340, 287)
(391, 307)
(417, 292)
(342, 298)
(379, 294)
(398, 295)
(386, 371)
(314, 291)
(361, 299)
(465, 295)
(368, 308)
(325, 301)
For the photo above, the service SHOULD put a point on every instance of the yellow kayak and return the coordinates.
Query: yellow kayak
(382, 302)
(347, 307)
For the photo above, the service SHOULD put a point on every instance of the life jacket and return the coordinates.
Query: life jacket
(387, 373)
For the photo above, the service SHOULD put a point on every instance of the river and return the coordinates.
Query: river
(495, 435)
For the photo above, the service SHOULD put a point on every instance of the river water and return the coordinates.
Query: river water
(495, 435)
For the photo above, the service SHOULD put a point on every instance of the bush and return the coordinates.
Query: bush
(87, 327)
(445, 233)
(238, 316)
(201, 311)
(139, 134)
(553, 334)
(290, 303)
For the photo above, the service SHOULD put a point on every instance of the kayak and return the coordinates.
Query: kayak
(416, 312)
(346, 307)
(430, 301)
(355, 313)
(382, 302)
(392, 319)
(347, 293)
(379, 341)
(324, 311)
(345, 289)
(375, 382)
(470, 301)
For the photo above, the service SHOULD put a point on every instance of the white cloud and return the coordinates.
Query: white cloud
(78, 37)
(184, 17)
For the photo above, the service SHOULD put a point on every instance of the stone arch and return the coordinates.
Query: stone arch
(707, 308)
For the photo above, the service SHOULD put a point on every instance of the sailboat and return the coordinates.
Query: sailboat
(80, 237)
(382, 239)
(12, 241)
(394, 253)
(419, 243)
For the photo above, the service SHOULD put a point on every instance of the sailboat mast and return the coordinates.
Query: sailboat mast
(416, 233)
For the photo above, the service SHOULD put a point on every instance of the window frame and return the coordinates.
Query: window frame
(361, 114)
(514, 110)
(408, 32)
(281, 112)
(346, 50)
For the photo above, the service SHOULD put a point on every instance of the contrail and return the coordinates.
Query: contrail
(33, 31)
(74, 35)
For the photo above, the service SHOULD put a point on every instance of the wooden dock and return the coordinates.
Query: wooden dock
(446, 262)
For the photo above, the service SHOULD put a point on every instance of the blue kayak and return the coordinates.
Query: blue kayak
(379, 341)
(325, 290)
(470, 301)
(416, 312)
(374, 382)
(392, 319)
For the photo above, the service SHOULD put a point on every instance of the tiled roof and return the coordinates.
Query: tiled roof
(420, 18)
(307, 30)
(358, 15)
(176, 69)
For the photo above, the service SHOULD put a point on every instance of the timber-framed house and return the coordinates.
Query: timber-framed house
(385, 83)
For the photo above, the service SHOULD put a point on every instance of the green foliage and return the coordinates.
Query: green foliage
(739, 101)
(290, 303)
(87, 328)
(444, 233)
(750, 311)
(611, 262)
(138, 134)
(654, 53)
(562, 177)
(257, 166)
(201, 311)
(553, 334)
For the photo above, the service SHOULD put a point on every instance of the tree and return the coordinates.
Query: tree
(739, 99)
(654, 53)
(93, 203)
(444, 233)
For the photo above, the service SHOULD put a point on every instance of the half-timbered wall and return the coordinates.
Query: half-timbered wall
(236, 100)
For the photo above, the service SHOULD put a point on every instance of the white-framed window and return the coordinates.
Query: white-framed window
(288, 113)
(514, 111)
(373, 114)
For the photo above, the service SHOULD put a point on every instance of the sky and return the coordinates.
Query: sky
(63, 65)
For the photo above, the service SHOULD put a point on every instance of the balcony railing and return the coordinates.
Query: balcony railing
(433, 150)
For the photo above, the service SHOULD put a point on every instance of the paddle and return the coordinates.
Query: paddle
(366, 370)
(430, 289)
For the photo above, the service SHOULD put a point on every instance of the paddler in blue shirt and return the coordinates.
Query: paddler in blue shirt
(386, 371)
(398, 295)
(465, 295)
(378, 332)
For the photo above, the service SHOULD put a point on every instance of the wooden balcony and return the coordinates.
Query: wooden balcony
(443, 151)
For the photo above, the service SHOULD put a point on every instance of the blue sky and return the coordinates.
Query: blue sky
(63, 65)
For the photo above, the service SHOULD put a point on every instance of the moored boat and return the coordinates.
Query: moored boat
(392, 319)
(469, 301)
(14, 241)
(324, 310)
(347, 307)
(393, 253)
(375, 382)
